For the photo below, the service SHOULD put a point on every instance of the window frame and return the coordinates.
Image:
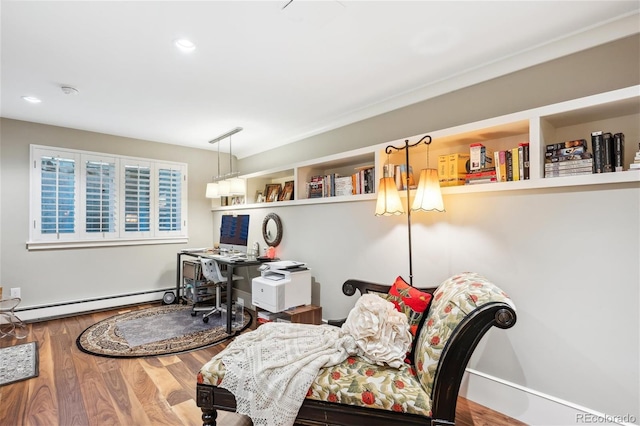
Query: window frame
(81, 237)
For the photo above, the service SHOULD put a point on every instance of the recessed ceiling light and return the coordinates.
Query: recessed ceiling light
(185, 45)
(32, 99)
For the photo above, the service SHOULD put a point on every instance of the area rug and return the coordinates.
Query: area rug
(161, 330)
(19, 362)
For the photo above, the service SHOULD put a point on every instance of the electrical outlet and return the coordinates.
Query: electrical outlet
(15, 292)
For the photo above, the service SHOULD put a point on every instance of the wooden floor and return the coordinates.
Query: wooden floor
(74, 388)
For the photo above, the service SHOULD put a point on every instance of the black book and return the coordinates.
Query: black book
(618, 152)
(607, 152)
(598, 151)
(525, 161)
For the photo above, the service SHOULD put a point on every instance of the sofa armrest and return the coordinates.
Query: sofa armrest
(458, 350)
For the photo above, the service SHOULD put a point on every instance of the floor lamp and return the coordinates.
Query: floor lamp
(428, 195)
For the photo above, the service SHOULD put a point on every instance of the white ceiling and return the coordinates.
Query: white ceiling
(281, 74)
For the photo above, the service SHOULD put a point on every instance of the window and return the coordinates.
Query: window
(86, 198)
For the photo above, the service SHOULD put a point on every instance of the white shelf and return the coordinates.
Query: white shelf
(615, 111)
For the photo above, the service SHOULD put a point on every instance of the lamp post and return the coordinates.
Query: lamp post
(428, 195)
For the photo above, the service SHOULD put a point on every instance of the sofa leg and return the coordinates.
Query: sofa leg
(209, 417)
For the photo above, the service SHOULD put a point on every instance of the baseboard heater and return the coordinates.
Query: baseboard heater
(74, 307)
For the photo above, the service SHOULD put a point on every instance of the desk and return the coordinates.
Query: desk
(231, 266)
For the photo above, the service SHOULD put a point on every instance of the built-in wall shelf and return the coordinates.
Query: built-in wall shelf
(617, 111)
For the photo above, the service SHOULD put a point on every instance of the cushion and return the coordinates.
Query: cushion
(413, 303)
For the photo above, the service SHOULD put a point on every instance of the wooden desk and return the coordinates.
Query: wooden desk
(231, 266)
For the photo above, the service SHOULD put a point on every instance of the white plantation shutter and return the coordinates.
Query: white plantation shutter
(169, 198)
(86, 198)
(57, 195)
(101, 193)
(137, 198)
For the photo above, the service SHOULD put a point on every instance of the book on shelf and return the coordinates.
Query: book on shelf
(523, 150)
(515, 159)
(570, 157)
(636, 160)
(597, 146)
(618, 152)
(569, 164)
(607, 152)
(567, 144)
(401, 177)
(443, 170)
(458, 167)
(481, 176)
(363, 180)
(480, 157)
(569, 172)
(565, 151)
(343, 186)
(501, 166)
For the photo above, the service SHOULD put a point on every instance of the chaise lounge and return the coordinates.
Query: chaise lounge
(424, 390)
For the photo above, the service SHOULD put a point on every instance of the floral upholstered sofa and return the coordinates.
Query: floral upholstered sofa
(424, 390)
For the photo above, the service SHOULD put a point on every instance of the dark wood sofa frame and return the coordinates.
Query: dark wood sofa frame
(451, 367)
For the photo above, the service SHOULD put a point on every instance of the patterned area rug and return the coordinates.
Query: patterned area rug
(162, 330)
(19, 362)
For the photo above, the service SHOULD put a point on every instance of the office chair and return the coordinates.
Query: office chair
(213, 274)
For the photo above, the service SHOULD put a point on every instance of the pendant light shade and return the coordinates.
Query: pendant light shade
(428, 195)
(389, 202)
(236, 186)
(212, 190)
(224, 188)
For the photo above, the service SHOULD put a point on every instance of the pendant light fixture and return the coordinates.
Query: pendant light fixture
(229, 184)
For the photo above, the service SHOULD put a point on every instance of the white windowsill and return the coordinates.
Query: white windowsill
(52, 245)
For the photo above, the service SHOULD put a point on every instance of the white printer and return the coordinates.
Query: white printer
(281, 285)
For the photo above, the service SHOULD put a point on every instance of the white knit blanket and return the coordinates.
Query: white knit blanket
(270, 370)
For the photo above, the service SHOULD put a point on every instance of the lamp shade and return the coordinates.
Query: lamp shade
(428, 195)
(224, 188)
(212, 190)
(388, 198)
(236, 186)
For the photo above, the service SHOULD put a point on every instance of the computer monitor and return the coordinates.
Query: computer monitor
(234, 233)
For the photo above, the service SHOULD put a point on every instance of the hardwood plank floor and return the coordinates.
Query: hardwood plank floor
(75, 388)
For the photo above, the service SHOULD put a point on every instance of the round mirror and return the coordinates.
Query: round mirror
(272, 230)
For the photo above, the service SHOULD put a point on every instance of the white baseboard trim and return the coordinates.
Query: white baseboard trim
(41, 313)
(533, 407)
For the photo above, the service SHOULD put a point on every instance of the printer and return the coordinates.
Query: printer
(281, 285)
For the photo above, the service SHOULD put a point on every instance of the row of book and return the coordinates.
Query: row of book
(334, 185)
(572, 158)
(482, 165)
(400, 174)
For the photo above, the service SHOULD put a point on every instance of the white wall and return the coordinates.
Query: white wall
(567, 257)
(57, 277)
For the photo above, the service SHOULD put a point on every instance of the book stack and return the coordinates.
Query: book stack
(569, 158)
(481, 165)
(453, 169)
(486, 175)
(315, 188)
(636, 161)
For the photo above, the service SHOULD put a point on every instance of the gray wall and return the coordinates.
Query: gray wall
(568, 257)
(58, 276)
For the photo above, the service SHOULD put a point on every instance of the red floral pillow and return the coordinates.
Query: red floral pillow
(412, 302)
